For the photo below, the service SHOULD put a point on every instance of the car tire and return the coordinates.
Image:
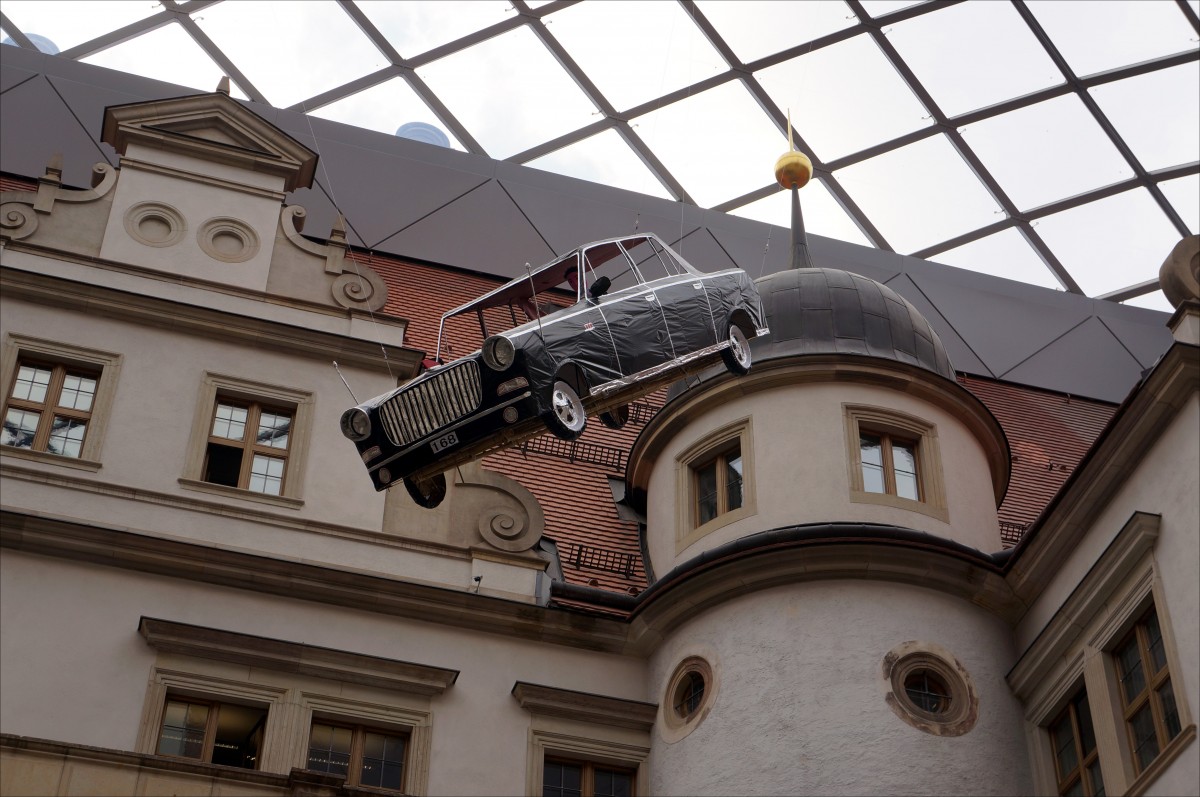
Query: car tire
(428, 492)
(616, 418)
(566, 418)
(737, 355)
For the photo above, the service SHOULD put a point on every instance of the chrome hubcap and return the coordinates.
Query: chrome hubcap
(567, 408)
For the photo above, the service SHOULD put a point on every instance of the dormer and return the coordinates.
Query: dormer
(205, 177)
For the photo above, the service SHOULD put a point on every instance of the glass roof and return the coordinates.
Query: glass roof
(1055, 142)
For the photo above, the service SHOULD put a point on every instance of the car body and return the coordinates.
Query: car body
(640, 316)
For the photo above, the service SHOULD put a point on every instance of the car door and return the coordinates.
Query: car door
(630, 310)
(681, 297)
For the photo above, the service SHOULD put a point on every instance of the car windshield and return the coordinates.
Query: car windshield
(609, 267)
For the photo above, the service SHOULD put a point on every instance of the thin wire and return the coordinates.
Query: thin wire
(370, 253)
(762, 267)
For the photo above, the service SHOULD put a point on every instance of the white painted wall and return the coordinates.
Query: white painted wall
(800, 706)
(801, 472)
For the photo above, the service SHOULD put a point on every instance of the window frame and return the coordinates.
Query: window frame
(1083, 760)
(1150, 693)
(105, 366)
(587, 780)
(215, 388)
(248, 445)
(357, 744)
(738, 434)
(891, 425)
(210, 729)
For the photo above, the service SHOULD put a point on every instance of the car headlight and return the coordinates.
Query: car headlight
(356, 425)
(498, 353)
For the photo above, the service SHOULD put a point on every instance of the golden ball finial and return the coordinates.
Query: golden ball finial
(793, 169)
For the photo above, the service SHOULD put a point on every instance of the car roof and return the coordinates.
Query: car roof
(549, 275)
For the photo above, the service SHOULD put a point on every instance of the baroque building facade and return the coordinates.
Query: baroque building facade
(202, 593)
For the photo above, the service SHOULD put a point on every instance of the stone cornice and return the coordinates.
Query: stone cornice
(195, 319)
(304, 581)
(294, 657)
(1136, 426)
(585, 706)
(823, 368)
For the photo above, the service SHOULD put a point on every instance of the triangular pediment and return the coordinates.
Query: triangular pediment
(211, 127)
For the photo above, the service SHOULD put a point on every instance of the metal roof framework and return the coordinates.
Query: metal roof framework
(623, 121)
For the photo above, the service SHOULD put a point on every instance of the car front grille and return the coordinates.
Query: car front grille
(429, 405)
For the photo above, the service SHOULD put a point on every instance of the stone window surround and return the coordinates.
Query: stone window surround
(406, 686)
(215, 386)
(585, 727)
(687, 532)
(1075, 649)
(911, 657)
(17, 346)
(860, 418)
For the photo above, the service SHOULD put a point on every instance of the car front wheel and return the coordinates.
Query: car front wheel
(566, 417)
(737, 356)
(427, 492)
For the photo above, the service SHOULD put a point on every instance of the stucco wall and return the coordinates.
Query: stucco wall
(73, 667)
(800, 706)
(801, 472)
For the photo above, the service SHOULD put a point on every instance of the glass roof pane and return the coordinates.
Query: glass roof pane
(1111, 243)
(167, 53)
(286, 55)
(604, 158)
(384, 108)
(1155, 300)
(822, 214)
(68, 23)
(1135, 107)
(973, 55)
(1184, 195)
(754, 29)
(1097, 36)
(1003, 254)
(510, 93)
(694, 138)
(634, 63)
(920, 194)
(1036, 162)
(844, 98)
(415, 28)
(877, 8)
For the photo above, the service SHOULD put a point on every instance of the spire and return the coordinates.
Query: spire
(793, 170)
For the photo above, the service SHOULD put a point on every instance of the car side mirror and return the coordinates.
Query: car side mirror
(599, 287)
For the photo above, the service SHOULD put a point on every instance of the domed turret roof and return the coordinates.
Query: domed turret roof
(829, 311)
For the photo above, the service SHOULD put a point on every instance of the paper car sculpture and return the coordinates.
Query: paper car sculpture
(582, 335)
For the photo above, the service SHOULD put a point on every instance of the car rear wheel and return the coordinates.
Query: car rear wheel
(566, 417)
(427, 492)
(737, 356)
(616, 418)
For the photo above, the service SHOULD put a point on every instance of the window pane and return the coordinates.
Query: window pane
(561, 780)
(1145, 743)
(329, 749)
(229, 422)
(1064, 747)
(77, 392)
(19, 428)
(1076, 789)
(872, 478)
(31, 383)
(183, 729)
(223, 465)
(1170, 711)
(1083, 713)
(273, 430)
(1097, 779)
(706, 493)
(1133, 680)
(66, 436)
(383, 759)
(870, 451)
(733, 482)
(904, 462)
(266, 474)
(1158, 656)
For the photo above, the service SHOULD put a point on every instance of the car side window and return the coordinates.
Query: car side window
(609, 263)
(654, 261)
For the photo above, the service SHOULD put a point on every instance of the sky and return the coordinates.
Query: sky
(717, 140)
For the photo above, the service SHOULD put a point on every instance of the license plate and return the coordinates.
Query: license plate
(444, 442)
